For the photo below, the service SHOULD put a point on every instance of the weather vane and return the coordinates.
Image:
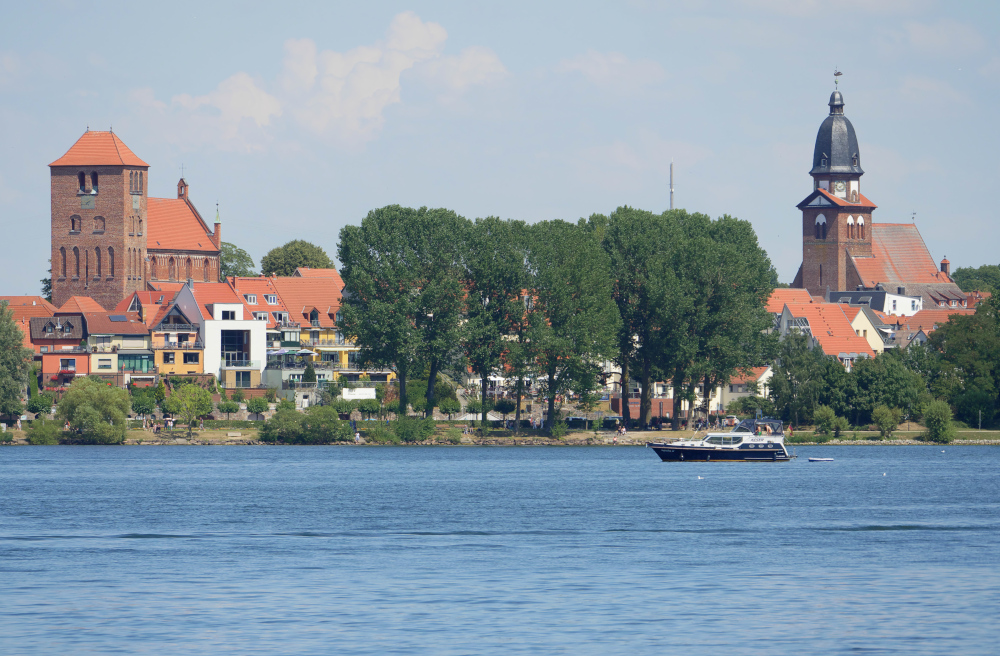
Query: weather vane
(836, 74)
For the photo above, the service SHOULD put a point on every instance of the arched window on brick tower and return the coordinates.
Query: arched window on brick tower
(93, 182)
(97, 261)
(131, 180)
(86, 264)
(82, 179)
(820, 227)
(62, 258)
(850, 227)
(152, 268)
(140, 226)
(75, 222)
(111, 262)
(171, 269)
(76, 262)
(206, 267)
(189, 269)
(98, 224)
(861, 226)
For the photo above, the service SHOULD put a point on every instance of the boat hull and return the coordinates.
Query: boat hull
(673, 453)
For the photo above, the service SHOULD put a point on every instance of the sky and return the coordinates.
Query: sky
(299, 118)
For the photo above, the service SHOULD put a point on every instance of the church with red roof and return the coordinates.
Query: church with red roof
(843, 249)
(109, 239)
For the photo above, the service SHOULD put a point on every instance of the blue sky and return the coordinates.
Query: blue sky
(298, 118)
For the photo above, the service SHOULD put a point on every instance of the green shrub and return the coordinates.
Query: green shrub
(238, 395)
(450, 407)
(309, 375)
(505, 406)
(369, 407)
(413, 430)
(6, 438)
(285, 404)
(230, 423)
(559, 429)
(44, 431)
(143, 404)
(344, 406)
(271, 395)
(379, 433)
(284, 426)
(454, 436)
(840, 426)
(40, 403)
(886, 419)
(228, 407)
(824, 416)
(937, 419)
(258, 405)
(321, 425)
(98, 410)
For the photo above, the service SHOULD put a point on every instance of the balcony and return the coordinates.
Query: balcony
(241, 364)
(180, 346)
(324, 342)
(287, 324)
(176, 328)
(318, 366)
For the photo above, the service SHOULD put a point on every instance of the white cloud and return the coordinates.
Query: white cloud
(342, 95)
(613, 69)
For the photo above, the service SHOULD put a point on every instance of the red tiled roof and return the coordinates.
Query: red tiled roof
(170, 289)
(101, 324)
(174, 224)
(301, 295)
(258, 286)
(851, 311)
(26, 307)
(152, 302)
(782, 295)
(831, 328)
(208, 293)
(862, 201)
(97, 148)
(79, 305)
(899, 255)
(754, 377)
(306, 272)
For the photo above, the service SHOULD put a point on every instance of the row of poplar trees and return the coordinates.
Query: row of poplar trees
(674, 297)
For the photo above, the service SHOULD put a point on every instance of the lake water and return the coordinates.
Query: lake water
(472, 550)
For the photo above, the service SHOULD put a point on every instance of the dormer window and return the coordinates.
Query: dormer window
(822, 161)
(251, 298)
(271, 299)
(854, 160)
(228, 315)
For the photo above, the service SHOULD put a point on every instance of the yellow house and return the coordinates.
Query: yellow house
(177, 344)
(119, 347)
(866, 325)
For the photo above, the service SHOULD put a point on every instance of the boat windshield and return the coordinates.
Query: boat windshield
(766, 426)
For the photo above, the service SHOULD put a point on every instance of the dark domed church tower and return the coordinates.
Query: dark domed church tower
(836, 217)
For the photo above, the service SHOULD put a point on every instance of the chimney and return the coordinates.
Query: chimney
(182, 188)
(946, 267)
(190, 283)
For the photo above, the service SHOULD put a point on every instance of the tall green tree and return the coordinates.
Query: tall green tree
(495, 278)
(643, 283)
(883, 381)
(189, 403)
(15, 363)
(578, 323)
(968, 347)
(96, 409)
(798, 379)
(985, 278)
(234, 261)
(717, 324)
(403, 292)
(284, 260)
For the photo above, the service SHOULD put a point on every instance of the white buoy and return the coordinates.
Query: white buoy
(701, 478)
(883, 473)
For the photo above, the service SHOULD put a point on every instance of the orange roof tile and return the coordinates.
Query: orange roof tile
(784, 295)
(259, 286)
(302, 295)
(24, 308)
(97, 148)
(208, 293)
(174, 224)
(831, 328)
(168, 288)
(752, 378)
(152, 302)
(100, 323)
(899, 254)
(862, 200)
(79, 305)
(306, 272)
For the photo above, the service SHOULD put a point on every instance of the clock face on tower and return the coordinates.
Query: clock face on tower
(840, 185)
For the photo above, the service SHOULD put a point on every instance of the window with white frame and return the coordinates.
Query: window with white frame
(260, 316)
(251, 298)
(271, 299)
(280, 316)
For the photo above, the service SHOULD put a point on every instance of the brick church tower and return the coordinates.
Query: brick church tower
(98, 216)
(836, 217)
